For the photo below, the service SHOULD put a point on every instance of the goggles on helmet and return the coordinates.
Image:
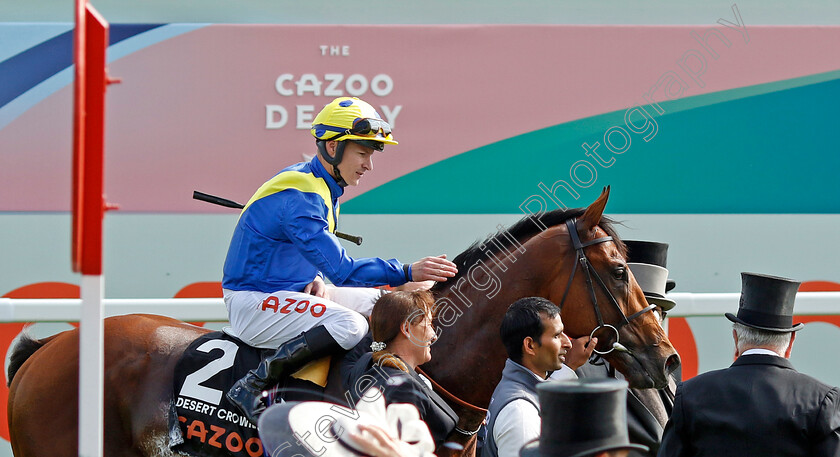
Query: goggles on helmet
(370, 127)
(367, 128)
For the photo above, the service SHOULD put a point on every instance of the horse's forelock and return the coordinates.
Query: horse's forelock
(607, 225)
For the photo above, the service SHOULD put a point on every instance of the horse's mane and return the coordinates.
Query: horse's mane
(521, 231)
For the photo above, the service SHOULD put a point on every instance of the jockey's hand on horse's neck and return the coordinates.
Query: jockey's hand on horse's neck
(580, 352)
(434, 268)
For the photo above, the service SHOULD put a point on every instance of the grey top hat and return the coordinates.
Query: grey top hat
(647, 260)
(581, 417)
(767, 303)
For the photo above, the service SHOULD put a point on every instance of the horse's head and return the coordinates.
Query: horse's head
(535, 257)
(599, 296)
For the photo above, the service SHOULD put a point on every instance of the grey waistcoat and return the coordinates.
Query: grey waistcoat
(517, 383)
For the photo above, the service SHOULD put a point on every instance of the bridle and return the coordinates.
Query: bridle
(571, 224)
(583, 261)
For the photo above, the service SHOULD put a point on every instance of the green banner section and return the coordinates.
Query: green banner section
(765, 149)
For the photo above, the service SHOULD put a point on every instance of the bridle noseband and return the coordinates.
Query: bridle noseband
(571, 224)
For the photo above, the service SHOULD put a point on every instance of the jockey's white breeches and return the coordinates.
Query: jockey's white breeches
(267, 320)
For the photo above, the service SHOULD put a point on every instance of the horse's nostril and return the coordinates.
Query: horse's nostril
(672, 363)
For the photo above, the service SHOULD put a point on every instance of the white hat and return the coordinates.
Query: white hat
(322, 428)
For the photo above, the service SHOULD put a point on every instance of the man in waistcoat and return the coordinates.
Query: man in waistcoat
(532, 333)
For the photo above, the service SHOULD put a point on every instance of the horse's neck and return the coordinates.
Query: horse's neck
(468, 358)
(475, 302)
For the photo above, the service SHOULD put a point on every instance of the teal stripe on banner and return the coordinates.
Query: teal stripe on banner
(768, 149)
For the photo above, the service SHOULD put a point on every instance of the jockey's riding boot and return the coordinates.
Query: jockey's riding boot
(247, 393)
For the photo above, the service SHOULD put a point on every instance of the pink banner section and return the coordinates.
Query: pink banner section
(223, 108)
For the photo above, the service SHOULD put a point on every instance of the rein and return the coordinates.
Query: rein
(450, 397)
(583, 261)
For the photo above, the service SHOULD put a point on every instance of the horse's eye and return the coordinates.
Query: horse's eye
(620, 273)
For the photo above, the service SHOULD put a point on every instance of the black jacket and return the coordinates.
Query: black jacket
(759, 406)
(647, 409)
(359, 373)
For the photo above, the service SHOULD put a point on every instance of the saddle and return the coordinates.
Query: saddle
(202, 421)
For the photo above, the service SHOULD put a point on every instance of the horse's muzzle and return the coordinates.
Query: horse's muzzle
(672, 363)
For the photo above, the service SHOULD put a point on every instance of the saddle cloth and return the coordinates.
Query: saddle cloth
(202, 421)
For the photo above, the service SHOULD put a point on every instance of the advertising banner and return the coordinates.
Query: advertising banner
(720, 140)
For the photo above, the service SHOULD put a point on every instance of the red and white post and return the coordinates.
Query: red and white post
(91, 43)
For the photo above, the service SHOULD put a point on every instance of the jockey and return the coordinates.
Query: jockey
(284, 244)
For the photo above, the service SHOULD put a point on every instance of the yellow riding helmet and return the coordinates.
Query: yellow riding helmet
(350, 118)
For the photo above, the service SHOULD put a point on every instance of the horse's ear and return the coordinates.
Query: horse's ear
(592, 216)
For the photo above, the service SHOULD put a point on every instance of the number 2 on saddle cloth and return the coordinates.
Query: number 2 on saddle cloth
(202, 421)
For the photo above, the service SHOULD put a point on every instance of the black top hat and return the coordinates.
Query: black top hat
(581, 417)
(647, 260)
(767, 303)
(650, 252)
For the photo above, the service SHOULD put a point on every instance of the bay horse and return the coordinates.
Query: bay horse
(538, 256)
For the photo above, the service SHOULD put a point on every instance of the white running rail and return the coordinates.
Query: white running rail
(213, 309)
